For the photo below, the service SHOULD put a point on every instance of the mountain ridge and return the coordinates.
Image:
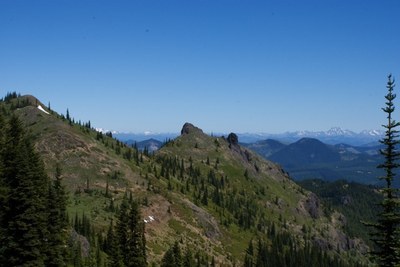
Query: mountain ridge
(335, 135)
(309, 158)
(210, 191)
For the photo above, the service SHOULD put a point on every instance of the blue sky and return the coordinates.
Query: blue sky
(241, 66)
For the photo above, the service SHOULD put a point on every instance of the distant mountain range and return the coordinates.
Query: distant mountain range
(333, 136)
(309, 158)
(151, 144)
(328, 155)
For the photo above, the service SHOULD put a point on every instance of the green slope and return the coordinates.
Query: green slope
(207, 192)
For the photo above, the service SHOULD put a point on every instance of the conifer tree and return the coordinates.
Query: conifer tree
(112, 248)
(168, 260)
(386, 230)
(248, 259)
(57, 222)
(121, 229)
(3, 187)
(136, 243)
(177, 254)
(188, 260)
(24, 213)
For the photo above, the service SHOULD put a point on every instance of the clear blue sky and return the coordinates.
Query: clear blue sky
(241, 66)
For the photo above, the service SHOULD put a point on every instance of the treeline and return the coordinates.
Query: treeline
(281, 249)
(130, 153)
(18, 103)
(176, 257)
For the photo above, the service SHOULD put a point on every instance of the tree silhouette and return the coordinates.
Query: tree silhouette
(386, 230)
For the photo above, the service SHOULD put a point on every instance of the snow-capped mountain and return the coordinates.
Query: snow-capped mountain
(335, 135)
(335, 131)
(101, 130)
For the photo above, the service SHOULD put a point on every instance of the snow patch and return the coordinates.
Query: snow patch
(42, 109)
(149, 219)
(101, 130)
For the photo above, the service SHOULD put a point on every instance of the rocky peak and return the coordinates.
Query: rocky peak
(189, 128)
(233, 139)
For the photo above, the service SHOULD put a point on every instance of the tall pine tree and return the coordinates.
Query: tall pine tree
(57, 222)
(24, 228)
(136, 239)
(386, 230)
(121, 230)
(126, 243)
(3, 188)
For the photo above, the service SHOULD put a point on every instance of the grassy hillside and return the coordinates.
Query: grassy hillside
(208, 193)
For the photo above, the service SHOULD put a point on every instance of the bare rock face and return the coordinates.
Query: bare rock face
(206, 221)
(189, 128)
(313, 206)
(76, 238)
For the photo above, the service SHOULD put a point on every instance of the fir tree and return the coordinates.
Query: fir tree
(177, 254)
(57, 222)
(386, 230)
(188, 260)
(248, 259)
(24, 213)
(168, 260)
(121, 229)
(112, 248)
(136, 244)
(3, 187)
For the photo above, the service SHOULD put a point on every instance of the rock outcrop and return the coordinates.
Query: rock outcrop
(233, 139)
(189, 128)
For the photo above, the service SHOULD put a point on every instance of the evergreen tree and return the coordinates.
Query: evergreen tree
(248, 259)
(112, 248)
(386, 230)
(126, 244)
(121, 229)
(3, 187)
(57, 222)
(136, 244)
(177, 254)
(168, 260)
(188, 260)
(173, 257)
(24, 213)
(67, 116)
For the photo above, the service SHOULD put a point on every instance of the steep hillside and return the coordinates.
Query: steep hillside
(256, 193)
(208, 193)
(356, 201)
